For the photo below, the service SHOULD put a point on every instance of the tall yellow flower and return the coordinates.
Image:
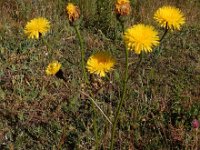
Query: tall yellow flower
(53, 68)
(37, 27)
(100, 63)
(123, 7)
(170, 17)
(73, 12)
(141, 37)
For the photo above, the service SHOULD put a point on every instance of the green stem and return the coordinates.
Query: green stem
(82, 53)
(121, 101)
(122, 25)
(93, 101)
(121, 21)
(141, 57)
(94, 119)
(140, 61)
(165, 33)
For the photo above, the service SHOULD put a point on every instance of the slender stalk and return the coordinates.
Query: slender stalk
(82, 53)
(122, 25)
(93, 101)
(94, 119)
(121, 21)
(141, 57)
(86, 80)
(121, 101)
(140, 61)
(164, 34)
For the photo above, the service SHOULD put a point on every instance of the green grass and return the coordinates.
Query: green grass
(42, 112)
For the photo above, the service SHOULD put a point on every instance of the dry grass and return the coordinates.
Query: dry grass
(40, 112)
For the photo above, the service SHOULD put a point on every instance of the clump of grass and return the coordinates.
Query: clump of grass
(42, 112)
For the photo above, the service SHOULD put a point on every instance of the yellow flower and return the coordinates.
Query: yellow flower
(123, 7)
(37, 27)
(53, 68)
(170, 17)
(141, 37)
(100, 63)
(73, 12)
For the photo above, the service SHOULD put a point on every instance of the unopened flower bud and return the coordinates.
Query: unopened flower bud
(122, 7)
(73, 12)
(195, 123)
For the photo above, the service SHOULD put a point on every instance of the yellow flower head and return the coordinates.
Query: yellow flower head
(53, 68)
(100, 63)
(73, 12)
(37, 27)
(170, 17)
(141, 37)
(123, 7)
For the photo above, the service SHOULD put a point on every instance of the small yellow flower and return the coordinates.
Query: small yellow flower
(100, 63)
(73, 12)
(53, 68)
(37, 27)
(123, 7)
(141, 37)
(170, 17)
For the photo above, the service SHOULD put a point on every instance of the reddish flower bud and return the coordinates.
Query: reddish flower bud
(195, 123)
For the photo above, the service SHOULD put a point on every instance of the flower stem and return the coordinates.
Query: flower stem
(121, 101)
(165, 33)
(122, 25)
(94, 118)
(95, 103)
(82, 53)
(121, 21)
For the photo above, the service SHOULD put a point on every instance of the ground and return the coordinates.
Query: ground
(44, 112)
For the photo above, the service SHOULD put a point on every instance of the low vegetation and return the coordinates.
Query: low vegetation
(161, 106)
